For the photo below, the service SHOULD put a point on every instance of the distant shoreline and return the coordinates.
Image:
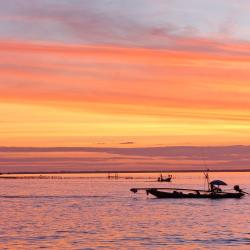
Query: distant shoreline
(127, 172)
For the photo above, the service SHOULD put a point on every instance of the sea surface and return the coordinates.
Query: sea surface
(93, 212)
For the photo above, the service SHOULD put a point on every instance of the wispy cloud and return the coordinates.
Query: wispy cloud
(16, 159)
(160, 24)
(127, 142)
(123, 75)
(178, 70)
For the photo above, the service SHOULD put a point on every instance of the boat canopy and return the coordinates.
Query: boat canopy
(218, 183)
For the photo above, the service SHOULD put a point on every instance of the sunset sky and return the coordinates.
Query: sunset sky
(124, 74)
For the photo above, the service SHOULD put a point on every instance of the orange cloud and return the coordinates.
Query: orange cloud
(123, 75)
(115, 91)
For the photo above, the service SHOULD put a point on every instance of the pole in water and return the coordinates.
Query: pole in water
(207, 179)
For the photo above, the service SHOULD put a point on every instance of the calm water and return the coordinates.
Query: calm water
(97, 213)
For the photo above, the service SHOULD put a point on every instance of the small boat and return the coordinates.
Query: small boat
(164, 179)
(213, 192)
(193, 194)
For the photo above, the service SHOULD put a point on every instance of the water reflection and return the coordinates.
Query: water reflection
(102, 213)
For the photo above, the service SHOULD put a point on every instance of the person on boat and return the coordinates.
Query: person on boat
(237, 188)
(214, 189)
(160, 178)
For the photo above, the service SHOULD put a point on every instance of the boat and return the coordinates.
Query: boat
(176, 194)
(213, 192)
(164, 179)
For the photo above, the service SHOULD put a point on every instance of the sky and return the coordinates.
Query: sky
(123, 74)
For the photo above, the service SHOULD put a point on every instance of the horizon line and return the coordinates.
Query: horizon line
(132, 171)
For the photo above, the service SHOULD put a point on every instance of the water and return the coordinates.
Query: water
(97, 213)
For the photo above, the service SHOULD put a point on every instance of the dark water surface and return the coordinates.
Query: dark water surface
(97, 213)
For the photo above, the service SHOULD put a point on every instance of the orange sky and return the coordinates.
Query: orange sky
(75, 95)
(116, 74)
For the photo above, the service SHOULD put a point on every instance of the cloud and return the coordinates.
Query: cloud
(34, 159)
(157, 25)
(169, 151)
(110, 74)
(127, 142)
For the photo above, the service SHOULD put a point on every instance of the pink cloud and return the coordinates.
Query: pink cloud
(120, 159)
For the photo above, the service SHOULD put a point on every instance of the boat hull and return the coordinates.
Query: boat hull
(180, 195)
(164, 180)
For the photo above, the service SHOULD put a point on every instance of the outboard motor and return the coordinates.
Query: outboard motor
(237, 188)
(134, 190)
